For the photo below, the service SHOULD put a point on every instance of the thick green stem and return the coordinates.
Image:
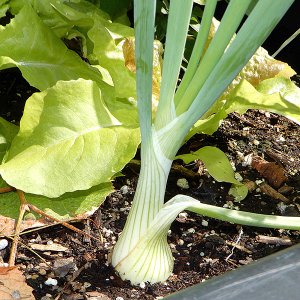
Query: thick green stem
(148, 198)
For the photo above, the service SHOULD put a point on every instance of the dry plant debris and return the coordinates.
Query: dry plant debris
(13, 285)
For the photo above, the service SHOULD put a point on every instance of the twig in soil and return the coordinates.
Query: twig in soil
(236, 243)
(6, 189)
(29, 249)
(278, 156)
(273, 240)
(87, 229)
(232, 262)
(23, 208)
(69, 226)
(238, 246)
(184, 171)
(268, 190)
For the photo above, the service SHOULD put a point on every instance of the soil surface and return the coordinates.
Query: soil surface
(259, 144)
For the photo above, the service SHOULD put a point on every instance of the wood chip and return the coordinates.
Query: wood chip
(272, 240)
(250, 185)
(97, 296)
(268, 190)
(271, 171)
(286, 190)
(238, 246)
(51, 247)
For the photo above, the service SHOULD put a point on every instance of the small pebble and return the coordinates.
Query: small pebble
(87, 284)
(256, 142)
(42, 272)
(281, 139)
(191, 230)
(119, 298)
(281, 207)
(51, 281)
(124, 189)
(247, 160)
(183, 183)
(258, 182)
(142, 285)
(183, 215)
(172, 246)
(180, 242)
(5, 265)
(204, 223)
(3, 244)
(202, 254)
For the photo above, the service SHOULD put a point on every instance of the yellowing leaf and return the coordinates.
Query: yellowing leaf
(128, 51)
(260, 67)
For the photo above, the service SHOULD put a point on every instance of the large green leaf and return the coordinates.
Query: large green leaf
(79, 19)
(4, 6)
(40, 55)
(69, 206)
(279, 95)
(7, 132)
(106, 38)
(68, 141)
(46, 12)
(109, 53)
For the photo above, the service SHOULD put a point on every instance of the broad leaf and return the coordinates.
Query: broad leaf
(76, 205)
(46, 12)
(103, 38)
(279, 95)
(107, 40)
(4, 6)
(7, 132)
(42, 57)
(218, 166)
(68, 141)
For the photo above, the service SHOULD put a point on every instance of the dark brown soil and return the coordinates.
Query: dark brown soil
(202, 247)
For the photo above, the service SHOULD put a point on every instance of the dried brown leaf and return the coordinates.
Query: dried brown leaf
(7, 225)
(274, 173)
(13, 285)
(261, 66)
(49, 247)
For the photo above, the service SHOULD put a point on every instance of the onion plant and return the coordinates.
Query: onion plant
(142, 252)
